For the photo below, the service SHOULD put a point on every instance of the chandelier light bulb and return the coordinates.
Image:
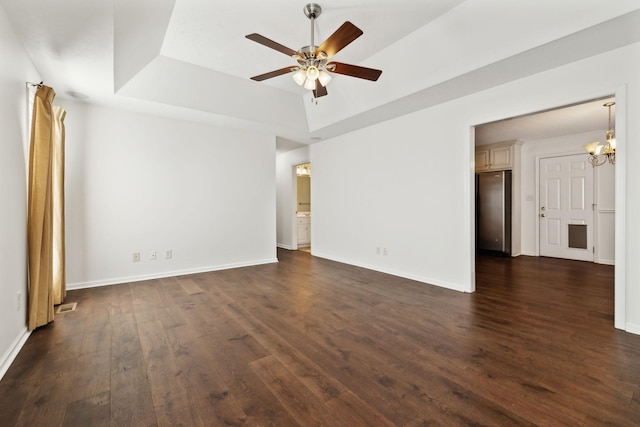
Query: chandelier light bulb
(312, 73)
(310, 84)
(300, 76)
(324, 78)
(591, 147)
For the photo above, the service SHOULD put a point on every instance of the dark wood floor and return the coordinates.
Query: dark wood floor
(313, 342)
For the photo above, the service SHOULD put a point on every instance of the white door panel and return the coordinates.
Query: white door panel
(577, 193)
(566, 198)
(553, 232)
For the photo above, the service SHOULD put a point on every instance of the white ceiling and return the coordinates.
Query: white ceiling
(189, 59)
(568, 120)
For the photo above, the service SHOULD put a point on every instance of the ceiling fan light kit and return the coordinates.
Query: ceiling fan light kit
(313, 69)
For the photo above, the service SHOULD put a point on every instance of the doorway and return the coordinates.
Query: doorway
(608, 220)
(303, 207)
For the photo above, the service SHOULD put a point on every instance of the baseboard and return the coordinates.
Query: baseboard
(10, 355)
(417, 278)
(632, 328)
(173, 273)
(527, 253)
(283, 246)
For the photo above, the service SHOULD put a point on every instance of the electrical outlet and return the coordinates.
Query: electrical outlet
(136, 257)
(152, 256)
(378, 250)
(384, 251)
(168, 254)
(18, 301)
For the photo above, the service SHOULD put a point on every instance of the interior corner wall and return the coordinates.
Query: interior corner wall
(406, 184)
(16, 69)
(138, 183)
(285, 194)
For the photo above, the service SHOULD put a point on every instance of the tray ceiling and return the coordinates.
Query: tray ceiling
(189, 59)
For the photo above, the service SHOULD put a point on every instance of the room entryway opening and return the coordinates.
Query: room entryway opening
(303, 206)
(562, 206)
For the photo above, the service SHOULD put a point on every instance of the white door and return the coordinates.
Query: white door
(566, 207)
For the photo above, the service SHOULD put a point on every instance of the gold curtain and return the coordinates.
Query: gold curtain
(59, 279)
(45, 226)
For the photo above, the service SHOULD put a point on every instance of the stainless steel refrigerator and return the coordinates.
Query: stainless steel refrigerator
(493, 212)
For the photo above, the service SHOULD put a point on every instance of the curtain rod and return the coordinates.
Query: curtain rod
(38, 85)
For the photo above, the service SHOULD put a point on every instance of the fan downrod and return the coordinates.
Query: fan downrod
(312, 10)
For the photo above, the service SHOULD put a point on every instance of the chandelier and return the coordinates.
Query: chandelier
(601, 153)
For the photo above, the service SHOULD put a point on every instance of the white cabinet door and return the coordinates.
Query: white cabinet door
(482, 160)
(494, 158)
(304, 230)
(302, 234)
(501, 158)
(566, 207)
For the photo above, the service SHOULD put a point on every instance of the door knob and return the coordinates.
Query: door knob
(542, 215)
(542, 208)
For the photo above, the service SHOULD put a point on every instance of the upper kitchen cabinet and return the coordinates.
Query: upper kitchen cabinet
(500, 156)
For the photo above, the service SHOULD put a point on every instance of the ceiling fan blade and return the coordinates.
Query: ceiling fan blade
(275, 73)
(319, 90)
(339, 39)
(354, 71)
(270, 43)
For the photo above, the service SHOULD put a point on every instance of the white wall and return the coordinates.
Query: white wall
(605, 214)
(15, 70)
(286, 195)
(405, 184)
(381, 187)
(603, 183)
(139, 183)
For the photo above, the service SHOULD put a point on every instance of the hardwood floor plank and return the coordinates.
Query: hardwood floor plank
(9, 410)
(47, 400)
(315, 378)
(255, 398)
(93, 411)
(351, 411)
(251, 394)
(311, 341)
(131, 402)
(214, 402)
(97, 333)
(292, 393)
(92, 376)
(189, 286)
(168, 390)
(635, 400)
(121, 301)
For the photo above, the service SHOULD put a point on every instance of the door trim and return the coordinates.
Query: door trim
(620, 281)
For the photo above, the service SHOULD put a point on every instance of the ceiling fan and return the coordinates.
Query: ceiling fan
(312, 71)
